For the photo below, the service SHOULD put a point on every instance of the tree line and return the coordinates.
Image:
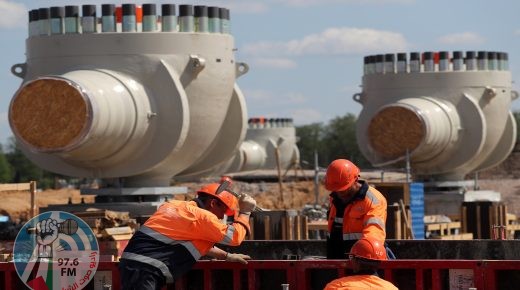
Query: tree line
(335, 139)
(16, 168)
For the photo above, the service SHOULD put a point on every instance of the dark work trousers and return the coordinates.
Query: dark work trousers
(139, 276)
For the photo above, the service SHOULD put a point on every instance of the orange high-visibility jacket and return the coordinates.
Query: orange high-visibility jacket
(359, 282)
(178, 234)
(365, 215)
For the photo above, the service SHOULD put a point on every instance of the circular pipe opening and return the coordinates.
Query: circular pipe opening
(49, 114)
(394, 130)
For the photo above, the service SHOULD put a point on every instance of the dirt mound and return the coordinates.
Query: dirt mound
(17, 203)
(295, 195)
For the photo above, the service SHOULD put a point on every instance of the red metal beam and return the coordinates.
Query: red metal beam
(297, 273)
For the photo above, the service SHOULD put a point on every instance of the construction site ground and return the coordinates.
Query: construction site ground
(296, 194)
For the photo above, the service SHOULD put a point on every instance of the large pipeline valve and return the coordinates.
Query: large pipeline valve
(450, 115)
(134, 95)
(270, 143)
(265, 139)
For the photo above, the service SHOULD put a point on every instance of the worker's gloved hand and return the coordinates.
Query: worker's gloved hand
(246, 203)
(237, 258)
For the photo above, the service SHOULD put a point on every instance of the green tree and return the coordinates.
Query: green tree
(309, 141)
(340, 141)
(23, 169)
(5, 168)
(335, 140)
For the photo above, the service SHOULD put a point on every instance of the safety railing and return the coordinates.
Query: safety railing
(314, 274)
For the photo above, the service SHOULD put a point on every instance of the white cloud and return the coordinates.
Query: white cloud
(517, 32)
(329, 2)
(305, 116)
(242, 6)
(335, 41)
(461, 38)
(294, 98)
(266, 98)
(271, 104)
(236, 6)
(13, 14)
(258, 95)
(278, 63)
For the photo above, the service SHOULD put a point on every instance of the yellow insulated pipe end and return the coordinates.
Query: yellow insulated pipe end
(394, 130)
(49, 114)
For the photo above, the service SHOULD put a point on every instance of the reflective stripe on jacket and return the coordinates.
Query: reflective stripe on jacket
(356, 282)
(178, 234)
(364, 215)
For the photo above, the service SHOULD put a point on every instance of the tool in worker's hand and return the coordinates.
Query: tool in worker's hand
(225, 185)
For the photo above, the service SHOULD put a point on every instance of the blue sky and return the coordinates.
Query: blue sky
(305, 56)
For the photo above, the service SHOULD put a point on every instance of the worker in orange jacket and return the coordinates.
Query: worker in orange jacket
(365, 257)
(357, 210)
(179, 233)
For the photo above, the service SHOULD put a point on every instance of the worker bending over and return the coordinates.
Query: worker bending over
(356, 211)
(179, 233)
(365, 257)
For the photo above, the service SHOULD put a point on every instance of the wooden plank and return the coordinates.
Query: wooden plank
(251, 228)
(432, 227)
(305, 227)
(464, 216)
(5, 257)
(513, 227)
(464, 236)
(503, 214)
(298, 228)
(511, 218)
(317, 226)
(118, 231)
(399, 233)
(27, 186)
(393, 222)
(408, 224)
(32, 189)
(290, 227)
(443, 228)
(15, 186)
(105, 213)
(123, 237)
(267, 227)
(91, 214)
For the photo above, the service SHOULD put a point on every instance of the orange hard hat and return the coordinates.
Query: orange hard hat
(369, 248)
(341, 174)
(225, 197)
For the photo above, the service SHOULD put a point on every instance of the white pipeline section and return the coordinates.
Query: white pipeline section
(139, 106)
(265, 139)
(451, 118)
